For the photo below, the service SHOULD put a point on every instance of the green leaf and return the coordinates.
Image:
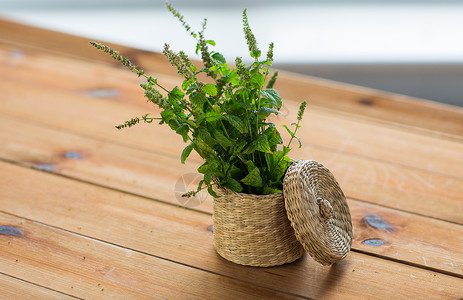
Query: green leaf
(203, 70)
(233, 185)
(218, 58)
(222, 139)
(264, 112)
(236, 172)
(274, 137)
(257, 79)
(269, 159)
(198, 99)
(201, 182)
(236, 148)
(224, 70)
(234, 77)
(187, 83)
(250, 165)
(273, 96)
(210, 89)
(283, 165)
(206, 136)
(279, 165)
(273, 111)
(212, 167)
(208, 117)
(299, 140)
(186, 152)
(212, 116)
(173, 124)
(191, 123)
(235, 122)
(207, 177)
(286, 150)
(242, 96)
(259, 144)
(211, 192)
(210, 42)
(176, 94)
(255, 53)
(167, 115)
(289, 130)
(270, 190)
(183, 131)
(203, 168)
(262, 144)
(191, 89)
(253, 178)
(203, 149)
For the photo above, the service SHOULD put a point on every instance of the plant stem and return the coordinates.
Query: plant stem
(224, 129)
(151, 79)
(294, 133)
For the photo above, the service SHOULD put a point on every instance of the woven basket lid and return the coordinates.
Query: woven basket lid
(318, 211)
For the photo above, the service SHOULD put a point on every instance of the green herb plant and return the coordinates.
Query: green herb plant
(225, 122)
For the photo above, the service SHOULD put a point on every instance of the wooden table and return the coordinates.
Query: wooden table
(91, 212)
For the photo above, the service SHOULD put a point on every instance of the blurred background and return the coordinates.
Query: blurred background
(408, 47)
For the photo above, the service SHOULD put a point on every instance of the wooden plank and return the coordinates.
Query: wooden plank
(96, 116)
(137, 171)
(56, 43)
(75, 77)
(408, 238)
(395, 186)
(127, 169)
(87, 268)
(379, 142)
(442, 119)
(13, 288)
(141, 172)
(181, 235)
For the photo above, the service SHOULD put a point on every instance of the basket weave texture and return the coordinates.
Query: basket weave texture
(254, 229)
(318, 211)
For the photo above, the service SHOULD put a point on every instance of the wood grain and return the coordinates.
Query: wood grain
(182, 236)
(88, 114)
(13, 288)
(441, 119)
(137, 170)
(121, 167)
(409, 238)
(87, 268)
(395, 186)
(66, 45)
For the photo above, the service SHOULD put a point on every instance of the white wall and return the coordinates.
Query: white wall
(413, 47)
(303, 31)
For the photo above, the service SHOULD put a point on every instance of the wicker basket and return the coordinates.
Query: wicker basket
(269, 230)
(254, 229)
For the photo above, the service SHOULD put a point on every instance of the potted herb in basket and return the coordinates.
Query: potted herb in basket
(226, 121)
